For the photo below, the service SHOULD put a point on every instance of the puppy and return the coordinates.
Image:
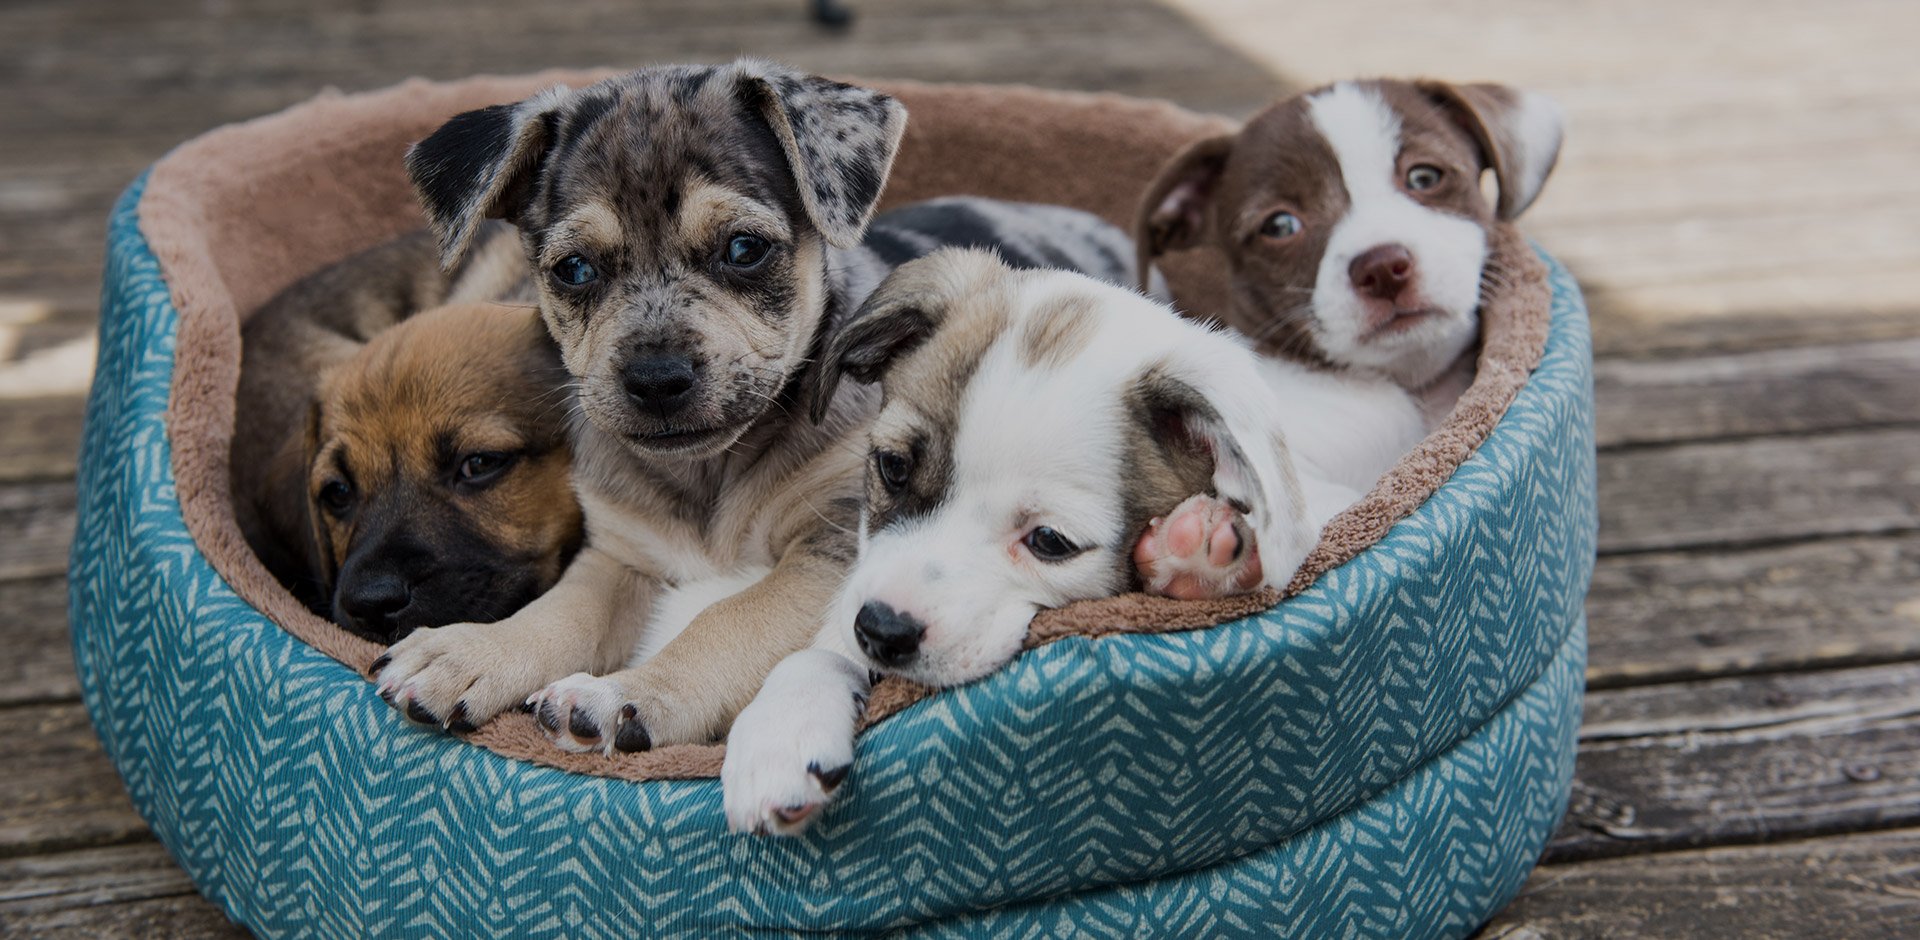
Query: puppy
(1353, 223)
(438, 481)
(696, 237)
(1034, 424)
(318, 323)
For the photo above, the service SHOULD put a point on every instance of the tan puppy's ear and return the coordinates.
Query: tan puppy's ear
(840, 141)
(481, 165)
(322, 543)
(900, 314)
(1519, 133)
(1173, 213)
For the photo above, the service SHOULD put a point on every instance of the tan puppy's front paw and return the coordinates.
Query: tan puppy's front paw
(623, 711)
(455, 677)
(1202, 549)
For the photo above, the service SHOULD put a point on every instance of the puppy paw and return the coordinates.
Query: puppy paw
(590, 713)
(1202, 549)
(454, 677)
(792, 748)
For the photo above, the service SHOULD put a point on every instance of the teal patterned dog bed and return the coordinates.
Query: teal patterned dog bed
(1382, 755)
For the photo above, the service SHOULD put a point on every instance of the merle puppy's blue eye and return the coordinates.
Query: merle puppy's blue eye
(745, 251)
(575, 271)
(1281, 225)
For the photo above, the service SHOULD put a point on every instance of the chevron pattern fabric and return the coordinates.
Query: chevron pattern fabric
(1382, 755)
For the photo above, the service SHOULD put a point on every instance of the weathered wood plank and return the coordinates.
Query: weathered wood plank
(40, 437)
(1753, 759)
(37, 519)
(1780, 391)
(1754, 491)
(1846, 888)
(120, 891)
(38, 667)
(1671, 616)
(59, 792)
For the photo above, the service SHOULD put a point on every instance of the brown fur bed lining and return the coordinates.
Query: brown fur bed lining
(238, 214)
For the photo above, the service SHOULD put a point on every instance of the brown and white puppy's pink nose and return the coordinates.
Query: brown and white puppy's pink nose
(1352, 218)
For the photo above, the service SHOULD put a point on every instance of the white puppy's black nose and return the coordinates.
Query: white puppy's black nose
(659, 383)
(888, 636)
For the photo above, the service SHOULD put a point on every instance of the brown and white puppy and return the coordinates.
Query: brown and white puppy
(1353, 223)
(321, 321)
(696, 237)
(1034, 424)
(438, 475)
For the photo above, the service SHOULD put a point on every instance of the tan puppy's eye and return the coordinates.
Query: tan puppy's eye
(1424, 176)
(1281, 225)
(482, 468)
(336, 497)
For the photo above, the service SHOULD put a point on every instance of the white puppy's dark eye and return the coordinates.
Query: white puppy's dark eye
(745, 251)
(336, 497)
(895, 469)
(483, 467)
(1423, 177)
(1281, 225)
(1048, 544)
(575, 271)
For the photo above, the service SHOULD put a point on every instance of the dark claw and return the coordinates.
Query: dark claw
(581, 726)
(383, 662)
(632, 735)
(831, 779)
(548, 717)
(525, 708)
(457, 722)
(419, 715)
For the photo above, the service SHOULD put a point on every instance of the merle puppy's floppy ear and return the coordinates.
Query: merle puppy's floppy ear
(480, 165)
(897, 317)
(1173, 213)
(839, 139)
(1518, 131)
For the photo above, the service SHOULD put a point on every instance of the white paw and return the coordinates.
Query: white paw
(454, 677)
(791, 749)
(589, 713)
(1202, 549)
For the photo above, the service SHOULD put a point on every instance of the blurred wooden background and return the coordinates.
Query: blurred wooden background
(1737, 196)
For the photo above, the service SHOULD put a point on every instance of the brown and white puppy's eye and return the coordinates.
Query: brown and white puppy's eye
(1424, 176)
(1281, 226)
(895, 469)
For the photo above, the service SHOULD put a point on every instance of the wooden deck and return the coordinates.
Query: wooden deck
(1738, 197)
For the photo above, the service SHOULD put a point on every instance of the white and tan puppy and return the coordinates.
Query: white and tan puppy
(1034, 425)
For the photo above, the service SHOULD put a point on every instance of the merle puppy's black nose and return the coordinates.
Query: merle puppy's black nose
(1382, 271)
(890, 637)
(370, 602)
(659, 383)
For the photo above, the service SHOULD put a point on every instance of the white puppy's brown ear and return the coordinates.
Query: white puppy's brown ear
(840, 141)
(1519, 132)
(1173, 212)
(1208, 410)
(480, 165)
(901, 314)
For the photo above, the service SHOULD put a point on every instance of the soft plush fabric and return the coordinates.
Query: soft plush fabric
(1381, 755)
(237, 214)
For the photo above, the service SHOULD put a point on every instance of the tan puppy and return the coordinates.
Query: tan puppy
(438, 476)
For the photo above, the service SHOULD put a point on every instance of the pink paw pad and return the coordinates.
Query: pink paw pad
(1199, 550)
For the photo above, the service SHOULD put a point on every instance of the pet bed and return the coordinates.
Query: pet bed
(1384, 754)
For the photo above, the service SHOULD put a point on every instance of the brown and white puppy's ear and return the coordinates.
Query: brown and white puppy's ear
(839, 139)
(896, 318)
(1210, 411)
(481, 165)
(1519, 133)
(1173, 213)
